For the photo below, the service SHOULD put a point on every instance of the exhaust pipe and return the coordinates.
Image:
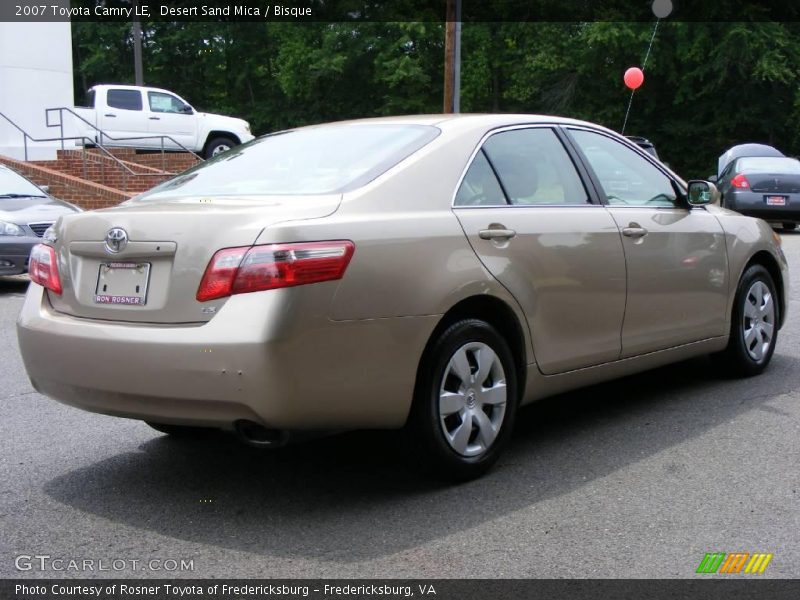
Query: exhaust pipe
(258, 436)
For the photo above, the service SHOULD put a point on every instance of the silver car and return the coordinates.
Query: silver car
(431, 273)
(26, 211)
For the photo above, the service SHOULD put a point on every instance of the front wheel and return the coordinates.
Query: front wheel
(754, 325)
(465, 401)
(219, 145)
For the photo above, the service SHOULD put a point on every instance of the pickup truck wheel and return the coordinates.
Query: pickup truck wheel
(219, 145)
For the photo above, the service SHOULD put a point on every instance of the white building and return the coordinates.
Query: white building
(35, 74)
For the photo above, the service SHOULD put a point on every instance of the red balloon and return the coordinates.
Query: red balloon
(634, 78)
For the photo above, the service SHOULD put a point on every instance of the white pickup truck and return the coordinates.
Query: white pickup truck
(134, 117)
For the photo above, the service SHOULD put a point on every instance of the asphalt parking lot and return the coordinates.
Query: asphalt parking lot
(635, 478)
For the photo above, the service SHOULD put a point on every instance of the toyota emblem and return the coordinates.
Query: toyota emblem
(116, 240)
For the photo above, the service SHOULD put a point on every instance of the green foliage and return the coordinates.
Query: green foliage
(707, 85)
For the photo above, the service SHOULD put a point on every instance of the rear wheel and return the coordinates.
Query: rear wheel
(754, 325)
(790, 226)
(465, 401)
(184, 431)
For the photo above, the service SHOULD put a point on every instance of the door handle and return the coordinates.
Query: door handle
(155, 118)
(634, 231)
(498, 233)
(109, 115)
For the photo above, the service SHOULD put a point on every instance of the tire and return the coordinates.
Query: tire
(439, 431)
(754, 325)
(790, 226)
(218, 145)
(181, 431)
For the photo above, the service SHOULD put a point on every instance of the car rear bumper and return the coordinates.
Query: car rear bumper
(753, 204)
(288, 373)
(14, 254)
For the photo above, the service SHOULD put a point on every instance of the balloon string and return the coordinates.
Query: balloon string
(644, 64)
(627, 112)
(652, 38)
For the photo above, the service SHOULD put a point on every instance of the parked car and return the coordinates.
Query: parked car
(767, 187)
(644, 144)
(430, 272)
(26, 211)
(132, 115)
(741, 150)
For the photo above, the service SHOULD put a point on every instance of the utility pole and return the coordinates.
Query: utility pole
(457, 61)
(137, 45)
(452, 57)
(449, 55)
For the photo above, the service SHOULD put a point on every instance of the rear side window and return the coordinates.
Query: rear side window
(534, 168)
(125, 99)
(480, 186)
(313, 160)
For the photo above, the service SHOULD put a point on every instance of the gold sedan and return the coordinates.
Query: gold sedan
(432, 273)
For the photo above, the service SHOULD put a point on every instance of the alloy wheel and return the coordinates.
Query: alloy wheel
(472, 399)
(758, 320)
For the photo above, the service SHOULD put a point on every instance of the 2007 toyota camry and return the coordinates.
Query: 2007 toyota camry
(431, 272)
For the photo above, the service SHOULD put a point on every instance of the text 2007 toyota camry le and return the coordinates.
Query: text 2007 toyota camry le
(430, 272)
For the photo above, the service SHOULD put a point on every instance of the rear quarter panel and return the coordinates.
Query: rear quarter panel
(412, 257)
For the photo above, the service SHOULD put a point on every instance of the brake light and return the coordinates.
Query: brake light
(43, 268)
(257, 268)
(740, 181)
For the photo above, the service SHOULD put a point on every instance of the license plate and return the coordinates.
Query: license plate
(122, 283)
(775, 200)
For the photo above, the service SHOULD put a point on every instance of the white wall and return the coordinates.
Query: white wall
(35, 73)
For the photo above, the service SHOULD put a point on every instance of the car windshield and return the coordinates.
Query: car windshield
(314, 160)
(768, 164)
(13, 185)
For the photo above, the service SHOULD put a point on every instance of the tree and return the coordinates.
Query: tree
(707, 85)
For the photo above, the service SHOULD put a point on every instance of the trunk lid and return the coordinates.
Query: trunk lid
(155, 276)
(774, 183)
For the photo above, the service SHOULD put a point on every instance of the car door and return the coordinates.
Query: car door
(170, 116)
(123, 117)
(675, 254)
(532, 223)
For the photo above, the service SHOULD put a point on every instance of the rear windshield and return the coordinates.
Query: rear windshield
(313, 160)
(768, 164)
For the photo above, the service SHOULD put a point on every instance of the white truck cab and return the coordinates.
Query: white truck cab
(133, 117)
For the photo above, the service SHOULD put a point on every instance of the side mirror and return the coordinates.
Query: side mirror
(45, 188)
(187, 110)
(712, 178)
(702, 192)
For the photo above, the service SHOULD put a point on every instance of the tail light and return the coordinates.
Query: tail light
(43, 268)
(740, 181)
(256, 268)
